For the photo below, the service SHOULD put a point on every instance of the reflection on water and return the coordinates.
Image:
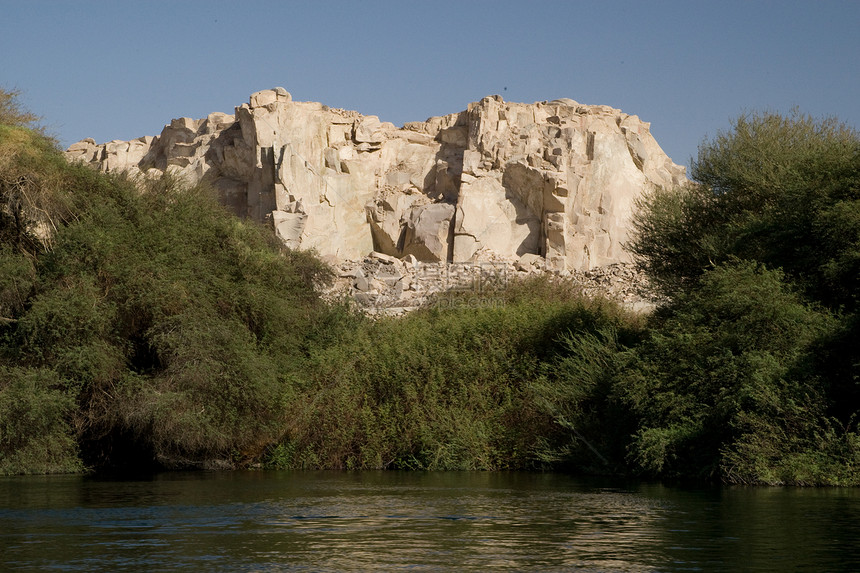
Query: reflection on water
(330, 521)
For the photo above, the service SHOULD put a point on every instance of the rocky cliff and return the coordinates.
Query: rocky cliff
(497, 181)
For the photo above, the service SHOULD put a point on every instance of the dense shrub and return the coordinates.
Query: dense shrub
(12, 113)
(36, 432)
(169, 323)
(784, 191)
(736, 357)
(751, 373)
(450, 387)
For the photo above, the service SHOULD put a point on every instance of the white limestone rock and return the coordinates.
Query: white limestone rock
(556, 180)
(429, 232)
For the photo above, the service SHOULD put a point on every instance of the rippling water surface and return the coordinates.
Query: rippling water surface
(330, 521)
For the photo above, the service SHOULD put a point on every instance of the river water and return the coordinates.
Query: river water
(390, 521)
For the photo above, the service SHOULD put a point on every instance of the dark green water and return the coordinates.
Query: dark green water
(328, 521)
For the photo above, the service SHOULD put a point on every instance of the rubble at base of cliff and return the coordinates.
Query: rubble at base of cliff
(382, 285)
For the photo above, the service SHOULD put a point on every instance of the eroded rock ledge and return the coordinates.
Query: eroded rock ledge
(383, 285)
(554, 180)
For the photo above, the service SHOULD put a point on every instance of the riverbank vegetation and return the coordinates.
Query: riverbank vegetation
(144, 327)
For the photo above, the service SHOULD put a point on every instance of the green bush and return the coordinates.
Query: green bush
(784, 191)
(728, 385)
(12, 112)
(36, 433)
(745, 376)
(678, 235)
(176, 328)
(32, 200)
(577, 389)
(450, 387)
(16, 280)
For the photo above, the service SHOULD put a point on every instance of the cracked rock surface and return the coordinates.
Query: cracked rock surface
(499, 181)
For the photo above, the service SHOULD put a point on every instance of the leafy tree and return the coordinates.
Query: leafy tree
(729, 385)
(773, 221)
(784, 191)
(12, 112)
(678, 235)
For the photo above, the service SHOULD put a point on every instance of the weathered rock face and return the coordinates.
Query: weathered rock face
(553, 179)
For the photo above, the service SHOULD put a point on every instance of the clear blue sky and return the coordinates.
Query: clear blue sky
(121, 69)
